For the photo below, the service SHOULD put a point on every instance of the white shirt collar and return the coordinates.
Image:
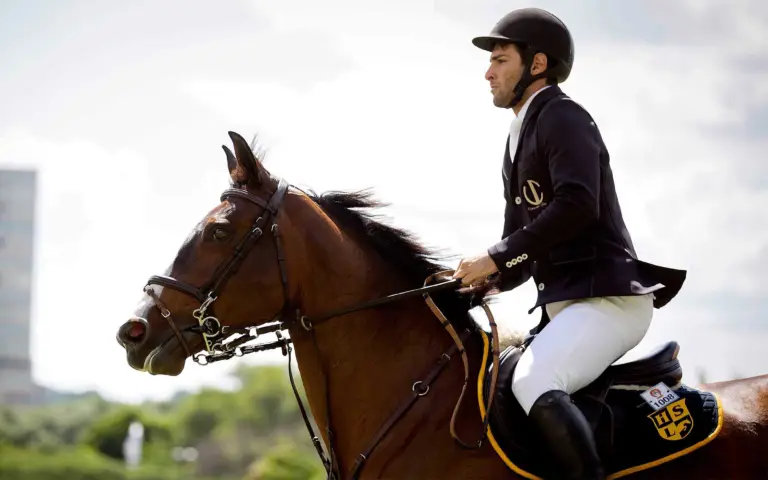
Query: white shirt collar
(527, 103)
(517, 123)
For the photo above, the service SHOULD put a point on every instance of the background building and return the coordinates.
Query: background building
(17, 233)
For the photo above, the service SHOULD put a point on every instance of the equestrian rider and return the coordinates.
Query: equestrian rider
(564, 228)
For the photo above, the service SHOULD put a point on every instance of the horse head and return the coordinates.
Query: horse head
(235, 252)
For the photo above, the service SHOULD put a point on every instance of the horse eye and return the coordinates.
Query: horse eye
(220, 234)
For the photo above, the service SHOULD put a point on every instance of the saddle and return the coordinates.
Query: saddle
(641, 412)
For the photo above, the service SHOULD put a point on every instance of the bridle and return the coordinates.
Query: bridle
(208, 325)
(213, 333)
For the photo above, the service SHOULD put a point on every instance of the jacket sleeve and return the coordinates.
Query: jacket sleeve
(571, 146)
(511, 278)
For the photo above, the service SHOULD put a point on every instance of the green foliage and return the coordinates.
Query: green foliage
(199, 415)
(107, 433)
(48, 427)
(69, 464)
(285, 462)
(254, 432)
(266, 396)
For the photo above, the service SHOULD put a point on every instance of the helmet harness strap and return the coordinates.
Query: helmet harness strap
(527, 78)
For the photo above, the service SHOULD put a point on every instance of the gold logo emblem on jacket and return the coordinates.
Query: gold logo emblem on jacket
(533, 195)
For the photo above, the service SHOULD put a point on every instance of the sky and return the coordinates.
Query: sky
(122, 107)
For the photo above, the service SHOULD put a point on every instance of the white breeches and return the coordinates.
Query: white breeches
(582, 339)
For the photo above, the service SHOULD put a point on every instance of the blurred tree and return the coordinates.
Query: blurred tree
(107, 433)
(199, 416)
(266, 398)
(234, 432)
(286, 462)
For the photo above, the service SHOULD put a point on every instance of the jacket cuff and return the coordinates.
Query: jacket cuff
(512, 252)
(512, 272)
(497, 254)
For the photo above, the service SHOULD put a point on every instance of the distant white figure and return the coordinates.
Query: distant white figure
(132, 445)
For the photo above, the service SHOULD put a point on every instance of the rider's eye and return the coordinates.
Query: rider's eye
(220, 234)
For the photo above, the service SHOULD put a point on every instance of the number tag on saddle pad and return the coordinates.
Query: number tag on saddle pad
(659, 396)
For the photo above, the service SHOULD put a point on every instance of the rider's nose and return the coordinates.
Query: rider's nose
(132, 332)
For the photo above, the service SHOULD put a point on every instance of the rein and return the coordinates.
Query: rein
(216, 349)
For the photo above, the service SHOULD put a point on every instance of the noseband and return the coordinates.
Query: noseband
(214, 333)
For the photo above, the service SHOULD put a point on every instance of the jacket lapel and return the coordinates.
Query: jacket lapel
(536, 104)
(533, 112)
(509, 168)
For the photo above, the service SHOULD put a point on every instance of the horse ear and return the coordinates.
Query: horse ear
(248, 170)
(231, 160)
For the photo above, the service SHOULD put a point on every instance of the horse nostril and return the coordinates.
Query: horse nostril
(132, 331)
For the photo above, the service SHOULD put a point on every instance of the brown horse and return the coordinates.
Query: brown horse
(381, 377)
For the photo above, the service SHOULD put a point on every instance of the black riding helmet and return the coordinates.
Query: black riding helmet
(533, 30)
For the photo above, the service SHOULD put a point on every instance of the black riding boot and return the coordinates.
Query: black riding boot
(568, 436)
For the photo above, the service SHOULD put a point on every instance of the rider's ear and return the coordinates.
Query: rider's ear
(539, 63)
(244, 167)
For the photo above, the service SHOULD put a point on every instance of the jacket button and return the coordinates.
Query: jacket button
(518, 200)
(509, 264)
(541, 287)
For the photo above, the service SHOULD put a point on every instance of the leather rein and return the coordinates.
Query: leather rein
(213, 333)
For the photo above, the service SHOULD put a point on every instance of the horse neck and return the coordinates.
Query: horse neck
(370, 358)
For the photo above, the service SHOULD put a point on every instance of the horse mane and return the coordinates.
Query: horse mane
(415, 261)
(398, 247)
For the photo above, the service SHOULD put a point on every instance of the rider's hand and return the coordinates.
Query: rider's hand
(475, 270)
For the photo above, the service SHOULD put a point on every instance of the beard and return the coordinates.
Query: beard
(501, 98)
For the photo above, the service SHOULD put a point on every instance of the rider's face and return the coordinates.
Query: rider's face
(504, 72)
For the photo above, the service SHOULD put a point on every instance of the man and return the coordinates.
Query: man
(564, 228)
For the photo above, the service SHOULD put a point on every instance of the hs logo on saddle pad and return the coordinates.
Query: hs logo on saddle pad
(671, 417)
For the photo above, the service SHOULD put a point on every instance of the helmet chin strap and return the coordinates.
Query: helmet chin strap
(526, 79)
